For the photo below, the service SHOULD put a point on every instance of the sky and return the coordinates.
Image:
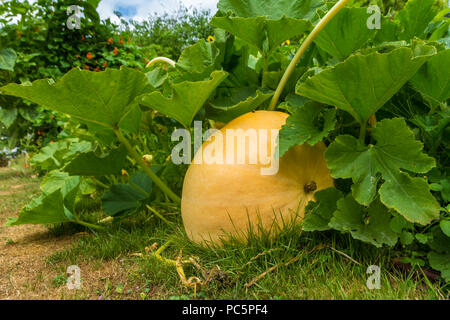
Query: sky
(140, 9)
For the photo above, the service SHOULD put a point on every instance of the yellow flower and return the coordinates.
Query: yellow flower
(286, 43)
(125, 173)
(210, 38)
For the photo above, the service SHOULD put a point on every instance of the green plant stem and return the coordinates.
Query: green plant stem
(132, 151)
(290, 69)
(362, 132)
(89, 225)
(101, 184)
(160, 59)
(156, 213)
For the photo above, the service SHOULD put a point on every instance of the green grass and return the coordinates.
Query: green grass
(323, 273)
(318, 271)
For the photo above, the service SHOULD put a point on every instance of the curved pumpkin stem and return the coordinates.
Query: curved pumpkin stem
(290, 69)
(160, 59)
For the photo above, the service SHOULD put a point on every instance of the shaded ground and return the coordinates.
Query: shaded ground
(24, 270)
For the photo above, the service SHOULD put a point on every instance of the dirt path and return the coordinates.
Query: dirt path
(24, 250)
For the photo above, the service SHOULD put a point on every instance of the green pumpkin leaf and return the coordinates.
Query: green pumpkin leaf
(47, 209)
(362, 84)
(318, 213)
(186, 100)
(415, 17)
(53, 155)
(274, 34)
(345, 33)
(8, 116)
(440, 262)
(89, 164)
(302, 126)
(239, 101)
(433, 78)
(199, 58)
(369, 225)
(7, 59)
(101, 98)
(445, 227)
(126, 197)
(272, 9)
(396, 149)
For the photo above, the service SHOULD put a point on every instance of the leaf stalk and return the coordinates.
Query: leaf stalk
(305, 45)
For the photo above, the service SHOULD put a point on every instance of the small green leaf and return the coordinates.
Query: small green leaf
(186, 100)
(125, 197)
(440, 262)
(7, 59)
(89, 164)
(8, 116)
(239, 101)
(199, 58)
(318, 213)
(406, 238)
(303, 126)
(445, 227)
(47, 209)
(369, 225)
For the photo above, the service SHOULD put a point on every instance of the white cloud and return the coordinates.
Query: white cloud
(146, 7)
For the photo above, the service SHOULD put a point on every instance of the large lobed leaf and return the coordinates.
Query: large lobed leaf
(369, 225)
(433, 78)
(320, 212)
(250, 30)
(362, 84)
(272, 9)
(186, 100)
(396, 149)
(101, 98)
(345, 33)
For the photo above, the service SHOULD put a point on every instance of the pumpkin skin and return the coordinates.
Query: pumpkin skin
(224, 199)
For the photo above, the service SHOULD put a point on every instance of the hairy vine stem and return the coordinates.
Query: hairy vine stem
(132, 151)
(290, 69)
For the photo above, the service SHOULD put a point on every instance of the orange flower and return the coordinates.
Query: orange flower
(110, 40)
(97, 69)
(86, 67)
(121, 41)
(19, 35)
(51, 141)
(89, 55)
(116, 51)
(39, 133)
(52, 117)
(104, 64)
(78, 56)
(82, 37)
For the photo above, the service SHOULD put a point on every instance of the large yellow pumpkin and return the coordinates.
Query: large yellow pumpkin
(227, 198)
